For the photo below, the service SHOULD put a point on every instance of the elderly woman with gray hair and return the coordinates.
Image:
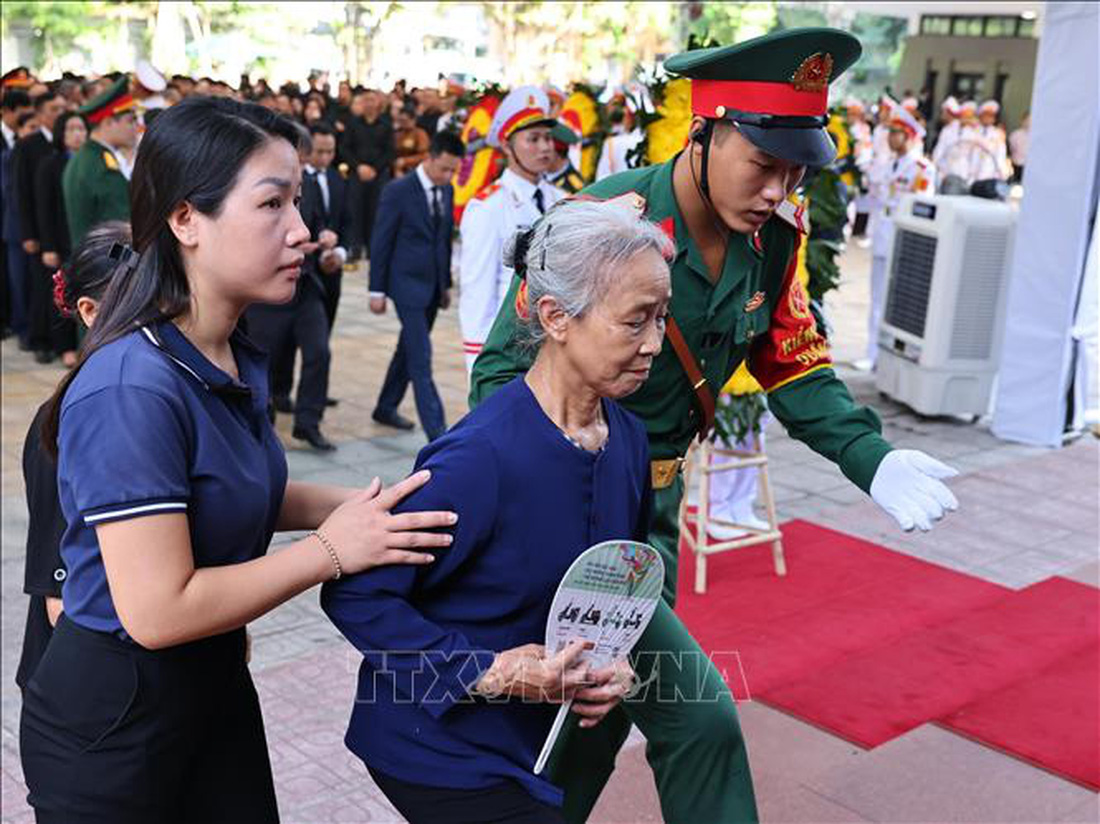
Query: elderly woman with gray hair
(456, 694)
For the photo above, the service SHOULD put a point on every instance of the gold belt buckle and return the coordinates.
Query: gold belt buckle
(664, 472)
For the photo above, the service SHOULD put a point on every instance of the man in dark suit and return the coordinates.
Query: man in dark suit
(327, 192)
(372, 152)
(335, 212)
(28, 156)
(276, 328)
(411, 265)
(13, 105)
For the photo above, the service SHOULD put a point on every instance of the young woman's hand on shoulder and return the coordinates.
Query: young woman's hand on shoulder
(364, 534)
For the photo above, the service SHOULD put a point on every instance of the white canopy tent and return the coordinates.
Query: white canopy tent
(1050, 330)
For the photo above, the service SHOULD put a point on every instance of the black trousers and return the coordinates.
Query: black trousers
(16, 266)
(333, 283)
(112, 733)
(5, 296)
(282, 368)
(371, 191)
(276, 329)
(48, 330)
(505, 803)
(282, 363)
(412, 363)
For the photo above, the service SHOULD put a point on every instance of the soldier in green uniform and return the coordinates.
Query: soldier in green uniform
(94, 185)
(562, 172)
(760, 109)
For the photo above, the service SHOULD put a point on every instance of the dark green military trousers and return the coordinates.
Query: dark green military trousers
(682, 707)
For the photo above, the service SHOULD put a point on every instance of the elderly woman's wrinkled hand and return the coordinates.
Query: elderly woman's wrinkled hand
(610, 685)
(528, 674)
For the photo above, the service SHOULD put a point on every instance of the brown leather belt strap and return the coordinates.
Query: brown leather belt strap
(699, 383)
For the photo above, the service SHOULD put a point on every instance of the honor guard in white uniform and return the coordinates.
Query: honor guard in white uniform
(949, 131)
(959, 157)
(862, 155)
(991, 160)
(148, 89)
(908, 171)
(881, 156)
(521, 130)
(622, 140)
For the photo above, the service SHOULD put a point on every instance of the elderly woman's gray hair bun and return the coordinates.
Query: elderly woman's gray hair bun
(574, 252)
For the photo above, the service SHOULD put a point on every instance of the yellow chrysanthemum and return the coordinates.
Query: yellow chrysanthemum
(589, 118)
(667, 135)
(838, 129)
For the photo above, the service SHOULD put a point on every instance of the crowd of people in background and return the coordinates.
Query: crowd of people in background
(359, 139)
(378, 136)
(362, 139)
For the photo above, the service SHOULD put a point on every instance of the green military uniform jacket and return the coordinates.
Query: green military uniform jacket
(757, 311)
(95, 189)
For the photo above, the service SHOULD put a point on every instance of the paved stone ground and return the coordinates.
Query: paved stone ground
(1026, 514)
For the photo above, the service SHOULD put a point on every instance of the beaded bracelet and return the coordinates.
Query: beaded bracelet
(327, 544)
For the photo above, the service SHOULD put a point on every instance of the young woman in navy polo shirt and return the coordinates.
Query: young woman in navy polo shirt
(172, 482)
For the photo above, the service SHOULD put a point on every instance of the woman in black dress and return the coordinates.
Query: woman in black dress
(70, 133)
(77, 290)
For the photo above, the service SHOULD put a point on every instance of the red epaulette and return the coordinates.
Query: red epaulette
(485, 191)
(793, 211)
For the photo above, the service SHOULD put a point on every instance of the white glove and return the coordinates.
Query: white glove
(907, 485)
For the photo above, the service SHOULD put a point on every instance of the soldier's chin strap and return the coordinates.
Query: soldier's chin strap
(703, 137)
(515, 157)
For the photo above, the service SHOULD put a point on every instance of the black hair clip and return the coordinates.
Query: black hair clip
(122, 254)
(523, 244)
(545, 243)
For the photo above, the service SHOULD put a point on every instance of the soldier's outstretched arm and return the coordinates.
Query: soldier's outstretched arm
(793, 364)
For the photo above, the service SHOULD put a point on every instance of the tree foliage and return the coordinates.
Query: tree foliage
(58, 26)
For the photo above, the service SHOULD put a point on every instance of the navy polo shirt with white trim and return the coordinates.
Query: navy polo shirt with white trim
(150, 426)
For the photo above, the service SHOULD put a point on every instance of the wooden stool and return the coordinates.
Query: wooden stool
(698, 540)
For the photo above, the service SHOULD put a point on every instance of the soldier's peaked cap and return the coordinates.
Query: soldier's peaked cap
(522, 108)
(775, 88)
(115, 100)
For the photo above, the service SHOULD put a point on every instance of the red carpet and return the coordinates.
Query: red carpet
(1049, 720)
(869, 643)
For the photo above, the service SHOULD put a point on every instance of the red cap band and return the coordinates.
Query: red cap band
(120, 104)
(521, 118)
(756, 96)
(904, 125)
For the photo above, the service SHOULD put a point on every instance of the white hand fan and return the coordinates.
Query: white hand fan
(607, 596)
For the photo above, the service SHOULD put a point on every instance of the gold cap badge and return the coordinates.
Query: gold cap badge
(813, 75)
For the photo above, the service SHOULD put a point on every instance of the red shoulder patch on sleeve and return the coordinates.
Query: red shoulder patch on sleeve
(792, 346)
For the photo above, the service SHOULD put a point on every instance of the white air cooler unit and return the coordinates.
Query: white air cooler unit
(940, 338)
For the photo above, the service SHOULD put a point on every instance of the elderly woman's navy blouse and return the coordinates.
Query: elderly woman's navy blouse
(529, 502)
